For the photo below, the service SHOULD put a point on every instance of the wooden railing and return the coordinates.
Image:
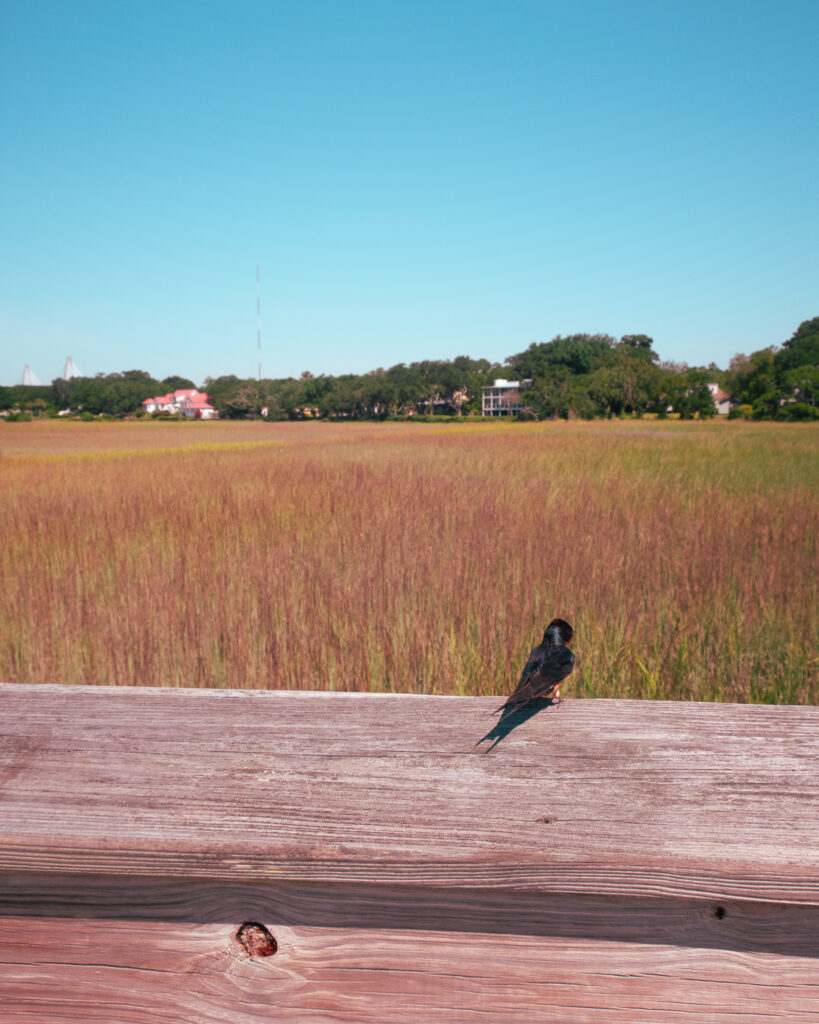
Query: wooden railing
(217, 856)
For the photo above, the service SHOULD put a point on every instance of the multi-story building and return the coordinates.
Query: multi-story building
(502, 398)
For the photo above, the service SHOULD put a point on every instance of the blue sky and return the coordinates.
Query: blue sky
(415, 179)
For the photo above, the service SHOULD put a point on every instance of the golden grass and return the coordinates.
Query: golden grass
(47, 438)
(411, 557)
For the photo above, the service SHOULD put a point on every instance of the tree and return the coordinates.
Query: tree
(220, 390)
(801, 349)
(766, 406)
(696, 399)
(242, 404)
(623, 386)
(112, 394)
(340, 399)
(578, 353)
(177, 383)
(804, 383)
(639, 345)
(750, 377)
(311, 390)
(447, 387)
(28, 396)
(797, 411)
(402, 388)
(670, 366)
(550, 397)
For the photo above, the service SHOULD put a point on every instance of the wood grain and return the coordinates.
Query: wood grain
(606, 860)
(742, 925)
(591, 796)
(140, 973)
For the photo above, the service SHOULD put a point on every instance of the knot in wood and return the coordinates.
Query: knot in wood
(256, 940)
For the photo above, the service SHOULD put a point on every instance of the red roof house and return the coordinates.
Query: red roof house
(192, 403)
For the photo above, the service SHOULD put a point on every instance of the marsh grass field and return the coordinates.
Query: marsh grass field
(412, 558)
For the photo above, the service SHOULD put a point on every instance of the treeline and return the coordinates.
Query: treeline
(112, 394)
(779, 383)
(432, 387)
(590, 376)
(581, 375)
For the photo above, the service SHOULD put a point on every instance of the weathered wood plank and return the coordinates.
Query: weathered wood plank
(607, 861)
(742, 925)
(637, 798)
(143, 972)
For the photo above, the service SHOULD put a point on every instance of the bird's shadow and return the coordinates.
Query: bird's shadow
(510, 720)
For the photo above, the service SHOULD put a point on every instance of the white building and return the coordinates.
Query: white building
(502, 398)
(721, 400)
(190, 402)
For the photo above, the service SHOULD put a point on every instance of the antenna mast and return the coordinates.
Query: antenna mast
(259, 320)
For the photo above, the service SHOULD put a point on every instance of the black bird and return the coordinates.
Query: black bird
(549, 664)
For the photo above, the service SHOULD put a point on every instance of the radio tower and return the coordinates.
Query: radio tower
(259, 320)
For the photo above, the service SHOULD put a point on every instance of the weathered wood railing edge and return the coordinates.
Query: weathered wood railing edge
(237, 856)
(239, 691)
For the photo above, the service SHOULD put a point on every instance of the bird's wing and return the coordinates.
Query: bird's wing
(544, 671)
(531, 670)
(556, 667)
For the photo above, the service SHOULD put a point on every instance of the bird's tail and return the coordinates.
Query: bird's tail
(511, 705)
(516, 705)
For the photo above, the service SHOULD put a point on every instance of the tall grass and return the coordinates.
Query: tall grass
(419, 559)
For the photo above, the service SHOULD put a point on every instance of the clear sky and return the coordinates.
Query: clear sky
(416, 179)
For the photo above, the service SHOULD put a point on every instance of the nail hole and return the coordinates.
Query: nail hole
(719, 912)
(256, 939)
(545, 821)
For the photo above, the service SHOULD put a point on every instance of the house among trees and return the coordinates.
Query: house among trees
(502, 398)
(188, 401)
(722, 401)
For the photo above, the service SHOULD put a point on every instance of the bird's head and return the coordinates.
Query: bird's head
(558, 632)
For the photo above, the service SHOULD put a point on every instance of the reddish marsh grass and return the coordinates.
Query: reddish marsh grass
(417, 558)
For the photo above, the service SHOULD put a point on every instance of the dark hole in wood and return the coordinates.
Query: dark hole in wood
(719, 912)
(256, 939)
(545, 821)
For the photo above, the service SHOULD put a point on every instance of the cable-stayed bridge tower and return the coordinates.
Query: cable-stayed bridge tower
(70, 369)
(30, 379)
